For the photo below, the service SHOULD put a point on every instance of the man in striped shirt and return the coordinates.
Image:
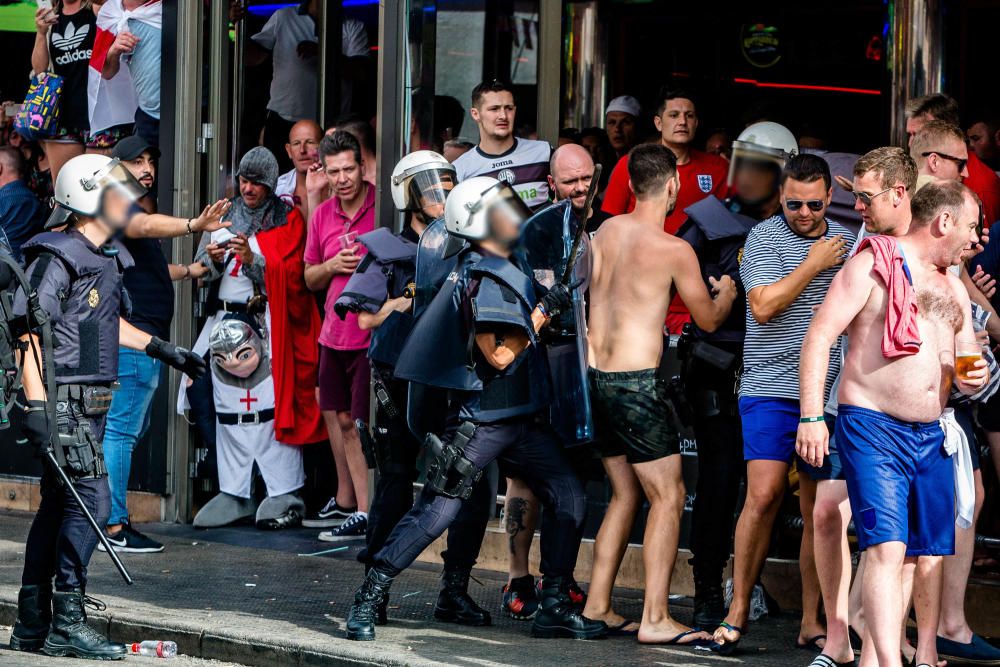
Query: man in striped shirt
(788, 264)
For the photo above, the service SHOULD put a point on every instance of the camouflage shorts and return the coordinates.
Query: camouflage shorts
(633, 416)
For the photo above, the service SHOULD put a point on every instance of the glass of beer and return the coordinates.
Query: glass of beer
(967, 353)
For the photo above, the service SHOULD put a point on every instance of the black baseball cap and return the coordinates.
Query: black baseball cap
(132, 147)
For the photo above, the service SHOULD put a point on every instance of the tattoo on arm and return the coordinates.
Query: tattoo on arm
(517, 508)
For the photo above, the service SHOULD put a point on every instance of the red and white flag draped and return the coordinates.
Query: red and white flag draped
(112, 101)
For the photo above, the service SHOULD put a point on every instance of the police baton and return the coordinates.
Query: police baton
(51, 458)
(591, 194)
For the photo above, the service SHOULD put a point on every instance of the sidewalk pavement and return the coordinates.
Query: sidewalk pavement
(261, 598)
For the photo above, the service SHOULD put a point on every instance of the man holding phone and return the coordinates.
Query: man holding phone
(332, 254)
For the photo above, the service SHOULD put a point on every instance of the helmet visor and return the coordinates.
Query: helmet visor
(429, 189)
(502, 205)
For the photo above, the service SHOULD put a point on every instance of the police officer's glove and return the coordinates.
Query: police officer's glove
(181, 358)
(35, 426)
(556, 300)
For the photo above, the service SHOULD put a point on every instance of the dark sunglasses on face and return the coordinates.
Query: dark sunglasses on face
(815, 205)
(959, 162)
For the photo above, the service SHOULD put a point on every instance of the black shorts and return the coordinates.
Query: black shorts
(632, 415)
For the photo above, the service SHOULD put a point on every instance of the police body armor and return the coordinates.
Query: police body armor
(711, 361)
(87, 333)
(86, 341)
(390, 259)
(441, 351)
(718, 236)
(545, 247)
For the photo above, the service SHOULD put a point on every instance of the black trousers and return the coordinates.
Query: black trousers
(393, 496)
(532, 450)
(61, 541)
(720, 465)
(275, 137)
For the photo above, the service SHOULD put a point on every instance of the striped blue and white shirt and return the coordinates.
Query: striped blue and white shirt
(771, 351)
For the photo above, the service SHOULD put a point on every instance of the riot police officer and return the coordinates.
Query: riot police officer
(712, 362)
(76, 274)
(478, 339)
(381, 292)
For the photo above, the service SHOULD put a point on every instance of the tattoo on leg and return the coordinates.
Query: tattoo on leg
(516, 509)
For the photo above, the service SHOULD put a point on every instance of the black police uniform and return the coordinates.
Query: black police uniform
(493, 415)
(387, 272)
(80, 287)
(711, 373)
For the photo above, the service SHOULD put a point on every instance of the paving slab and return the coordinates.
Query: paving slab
(259, 598)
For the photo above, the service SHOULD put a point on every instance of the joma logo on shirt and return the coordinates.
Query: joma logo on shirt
(502, 163)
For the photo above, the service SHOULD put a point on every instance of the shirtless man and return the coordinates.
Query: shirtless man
(637, 268)
(900, 482)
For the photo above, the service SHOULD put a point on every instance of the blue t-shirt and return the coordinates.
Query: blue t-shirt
(21, 215)
(144, 66)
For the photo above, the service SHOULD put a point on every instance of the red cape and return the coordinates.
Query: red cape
(295, 326)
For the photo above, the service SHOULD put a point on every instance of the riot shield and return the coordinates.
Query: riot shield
(435, 258)
(436, 254)
(545, 246)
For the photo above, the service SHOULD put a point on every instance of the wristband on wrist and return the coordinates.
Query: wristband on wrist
(187, 271)
(541, 309)
(190, 231)
(810, 420)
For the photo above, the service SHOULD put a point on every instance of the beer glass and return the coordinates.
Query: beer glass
(967, 353)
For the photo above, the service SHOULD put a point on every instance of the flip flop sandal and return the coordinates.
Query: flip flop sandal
(811, 644)
(729, 647)
(620, 631)
(676, 641)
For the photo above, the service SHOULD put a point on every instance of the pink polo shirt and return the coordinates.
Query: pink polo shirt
(327, 225)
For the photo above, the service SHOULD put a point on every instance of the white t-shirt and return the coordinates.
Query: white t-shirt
(525, 167)
(285, 187)
(294, 84)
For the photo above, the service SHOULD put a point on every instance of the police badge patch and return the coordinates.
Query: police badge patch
(93, 298)
(705, 183)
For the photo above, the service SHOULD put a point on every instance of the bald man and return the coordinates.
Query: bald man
(303, 151)
(570, 170)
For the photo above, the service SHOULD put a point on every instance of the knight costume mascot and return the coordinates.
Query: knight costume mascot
(256, 276)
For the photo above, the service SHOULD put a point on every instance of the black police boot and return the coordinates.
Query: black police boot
(454, 604)
(34, 616)
(362, 618)
(709, 602)
(558, 617)
(71, 636)
(382, 611)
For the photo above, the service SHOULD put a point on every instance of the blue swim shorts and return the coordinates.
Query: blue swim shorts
(769, 429)
(900, 481)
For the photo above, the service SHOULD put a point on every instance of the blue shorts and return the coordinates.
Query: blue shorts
(900, 481)
(769, 429)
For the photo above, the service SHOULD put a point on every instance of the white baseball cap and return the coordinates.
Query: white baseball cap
(626, 104)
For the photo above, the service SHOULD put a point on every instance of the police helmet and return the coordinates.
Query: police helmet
(475, 203)
(764, 142)
(83, 183)
(421, 174)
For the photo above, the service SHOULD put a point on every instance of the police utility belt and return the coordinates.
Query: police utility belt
(78, 448)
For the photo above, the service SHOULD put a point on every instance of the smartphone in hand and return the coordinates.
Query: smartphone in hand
(44, 4)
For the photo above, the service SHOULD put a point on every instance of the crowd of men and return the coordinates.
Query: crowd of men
(855, 361)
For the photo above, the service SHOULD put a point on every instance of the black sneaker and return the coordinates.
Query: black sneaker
(129, 540)
(353, 529)
(330, 516)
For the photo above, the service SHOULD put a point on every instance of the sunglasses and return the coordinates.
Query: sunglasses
(815, 205)
(866, 198)
(959, 162)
